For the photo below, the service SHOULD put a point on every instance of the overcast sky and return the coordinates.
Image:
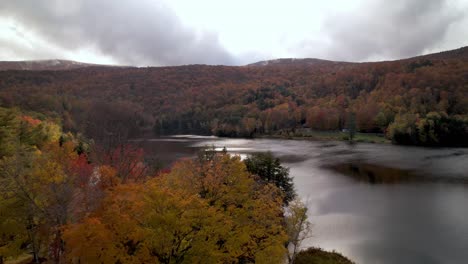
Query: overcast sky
(175, 32)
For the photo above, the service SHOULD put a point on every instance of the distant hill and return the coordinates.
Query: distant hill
(421, 100)
(296, 62)
(460, 54)
(41, 65)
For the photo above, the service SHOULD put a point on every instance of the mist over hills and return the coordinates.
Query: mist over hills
(39, 65)
(59, 64)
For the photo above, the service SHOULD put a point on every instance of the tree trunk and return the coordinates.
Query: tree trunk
(35, 257)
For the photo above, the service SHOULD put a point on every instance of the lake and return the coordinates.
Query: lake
(373, 203)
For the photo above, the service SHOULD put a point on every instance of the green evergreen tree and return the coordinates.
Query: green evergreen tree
(270, 170)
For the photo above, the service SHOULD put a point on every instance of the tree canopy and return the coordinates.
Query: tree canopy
(68, 206)
(269, 170)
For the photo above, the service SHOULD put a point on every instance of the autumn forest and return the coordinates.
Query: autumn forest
(73, 189)
(417, 101)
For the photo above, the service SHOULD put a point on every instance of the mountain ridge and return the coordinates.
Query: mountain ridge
(49, 64)
(60, 64)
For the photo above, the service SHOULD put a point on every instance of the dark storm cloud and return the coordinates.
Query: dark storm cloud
(387, 29)
(132, 32)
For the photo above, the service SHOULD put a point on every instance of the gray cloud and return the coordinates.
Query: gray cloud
(25, 49)
(17, 50)
(383, 29)
(132, 32)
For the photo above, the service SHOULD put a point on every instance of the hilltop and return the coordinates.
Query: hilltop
(41, 65)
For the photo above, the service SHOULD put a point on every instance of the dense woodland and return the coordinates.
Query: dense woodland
(421, 101)
(65, 200)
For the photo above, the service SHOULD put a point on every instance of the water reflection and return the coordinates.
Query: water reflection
(375, 174)
(419, 218)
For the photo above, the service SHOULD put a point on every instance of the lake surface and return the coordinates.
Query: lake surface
(373, 203)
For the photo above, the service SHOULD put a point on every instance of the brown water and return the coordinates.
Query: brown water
(373, 203)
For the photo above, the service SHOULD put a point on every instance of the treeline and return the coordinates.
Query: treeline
(435, 129)
(421, 101)
(65, 199)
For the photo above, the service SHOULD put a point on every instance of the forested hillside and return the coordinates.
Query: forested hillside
(422, 101)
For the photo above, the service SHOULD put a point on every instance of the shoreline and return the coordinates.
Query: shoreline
(314, 135)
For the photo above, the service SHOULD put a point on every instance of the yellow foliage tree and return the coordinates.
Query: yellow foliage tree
(209, 211)
(252, 211)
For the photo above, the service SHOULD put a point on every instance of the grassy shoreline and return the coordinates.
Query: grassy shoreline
(328, 136)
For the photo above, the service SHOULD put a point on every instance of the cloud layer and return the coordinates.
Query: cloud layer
(141, 32)
(387, 29)
(150, 32)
